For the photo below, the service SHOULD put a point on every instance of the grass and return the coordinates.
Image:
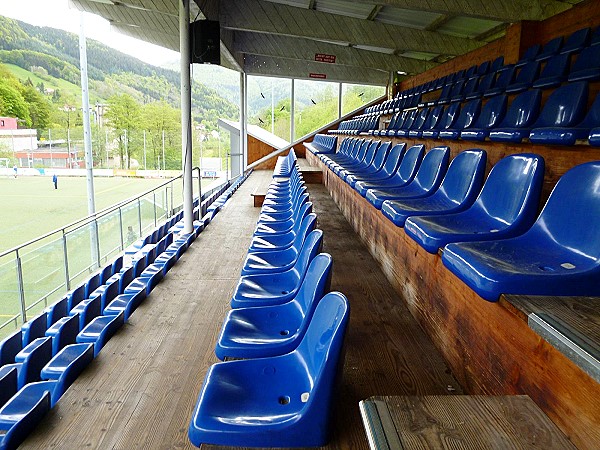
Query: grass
(31, 207)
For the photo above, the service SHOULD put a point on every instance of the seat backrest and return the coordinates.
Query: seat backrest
(468, 114)
(551, 48)
(556, 66)
(498, 62)
(38, 353)
(592, 118)
(524, 110)
(464, 177)
(381, 154)
(34, 328)
(127, 277)
(394, 158)
(565, 107)
(420, 120)
(312, 246)
(321, 349)
(76, 296)
(433, 118)
(445, 94)
(409, 120)
(457, 88)
(449, 117)
(577, 40)
(471, 85)
(57, 310)
(587, 59)
(470, 72)
(410, 163)
(92, 284)
(528, 73)
(596, 37)
(432, 168)
(505, 77)
(571, 226)
(105, 274)
(362, 150)
(67, 333)
(317, 282)
(10, 346)
(492, 112)
(117, 264)
(483, 68)
(512, 190)
(8, 384)
(531, 52)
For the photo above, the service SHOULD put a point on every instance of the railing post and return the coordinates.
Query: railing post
(140, 215)
(66, 258)
(121, 229)
(172, 202)
(21, 287)
(98, 255)
(154, 204)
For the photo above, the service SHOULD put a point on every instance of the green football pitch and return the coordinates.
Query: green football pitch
(31, 207)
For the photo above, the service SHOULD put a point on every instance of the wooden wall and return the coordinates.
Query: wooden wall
(489, 348)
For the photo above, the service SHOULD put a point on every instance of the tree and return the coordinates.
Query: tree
(39, 108)
(13, 104)
(156, 118)
(123, 114)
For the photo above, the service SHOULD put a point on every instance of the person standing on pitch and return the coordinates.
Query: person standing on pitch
(55, 181)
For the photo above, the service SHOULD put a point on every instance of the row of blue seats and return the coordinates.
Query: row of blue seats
(287, 330)
(493, 78)
(488, 229)
(285, 164)
(563, 120)
(41, 360)
(357, 125)
(322, 143)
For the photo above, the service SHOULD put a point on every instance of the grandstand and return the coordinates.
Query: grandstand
(436, 286)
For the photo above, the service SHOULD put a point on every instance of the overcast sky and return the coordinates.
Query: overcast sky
(56, 14)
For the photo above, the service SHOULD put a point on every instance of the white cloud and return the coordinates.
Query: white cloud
(57, 14)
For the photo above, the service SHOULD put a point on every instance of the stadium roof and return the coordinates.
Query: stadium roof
(369, 38)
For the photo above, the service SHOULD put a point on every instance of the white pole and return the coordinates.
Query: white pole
(145, 168)
(50, 139)
(243, 128)
(293, 111)
(87, 136)
(186, 115)
(272, 109)
(163, 152)
(106, 147)
(340, 100)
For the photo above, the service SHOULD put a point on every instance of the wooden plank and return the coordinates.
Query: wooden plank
(469, 422)
(489, 348)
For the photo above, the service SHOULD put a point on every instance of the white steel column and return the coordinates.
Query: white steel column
(186, 115)
(87, 138)
(340, 101)
(243, 116)
(293, 111)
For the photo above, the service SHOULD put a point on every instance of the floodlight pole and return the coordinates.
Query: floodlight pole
(87, 140)
(186, 115)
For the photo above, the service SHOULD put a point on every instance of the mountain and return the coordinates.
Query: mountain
(51, 57)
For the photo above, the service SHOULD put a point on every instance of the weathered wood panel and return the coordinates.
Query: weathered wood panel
(490, 350)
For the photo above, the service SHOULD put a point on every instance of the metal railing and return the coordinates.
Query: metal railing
(41, 271)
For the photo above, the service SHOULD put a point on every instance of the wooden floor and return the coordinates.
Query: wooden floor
(141, 390)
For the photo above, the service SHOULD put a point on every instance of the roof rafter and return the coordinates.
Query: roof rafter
(266, 17)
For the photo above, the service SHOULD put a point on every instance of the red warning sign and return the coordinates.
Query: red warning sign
(324, 57)
(321, 76)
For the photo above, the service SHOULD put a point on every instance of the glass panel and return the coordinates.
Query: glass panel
(79, 251)
(316, 105)
(10, 305)
(147, 208)
(43, 273)
(109, 233)
(355, 96)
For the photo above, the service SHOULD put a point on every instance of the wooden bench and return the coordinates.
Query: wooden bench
(459, 421)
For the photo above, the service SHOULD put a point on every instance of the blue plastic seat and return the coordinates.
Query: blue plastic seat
(10, 346)
(550, 49)
(283, 401)
(63, 332)
(586, 66)
(20, 416)
(280, 260)
(390, 167)
(565, 108)
(517, 123)
(559, 255)
(484, 67)
(503, 79)
(285, 214)
(491, 115)
(458, 191)
(554, 73)
(283, 226)
(276, 288)
(525, 78)
(456, 93)
(594, 137)
(426, 181)
(91, 284)
(34, 328)
(506, 207)
(497, 64)
(406, 125)
(125, 304)
(418, 123)
(343, 170)
(567, 135)
(100, 330)
(529, 55)
(467, 117)
(577, 41)
(432, 120)
(87, 310)
(275, 330)
(447, 121)
(444, 97)
(404, 175)
(283, 240)
(376, 164)
(8, 383)
(469, 90)
(56, 311)
(31, 359)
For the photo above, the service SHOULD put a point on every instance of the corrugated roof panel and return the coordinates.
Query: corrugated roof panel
(406, 17)
(424, 56)
(344, 8)
(385, 50)
(467, 27)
